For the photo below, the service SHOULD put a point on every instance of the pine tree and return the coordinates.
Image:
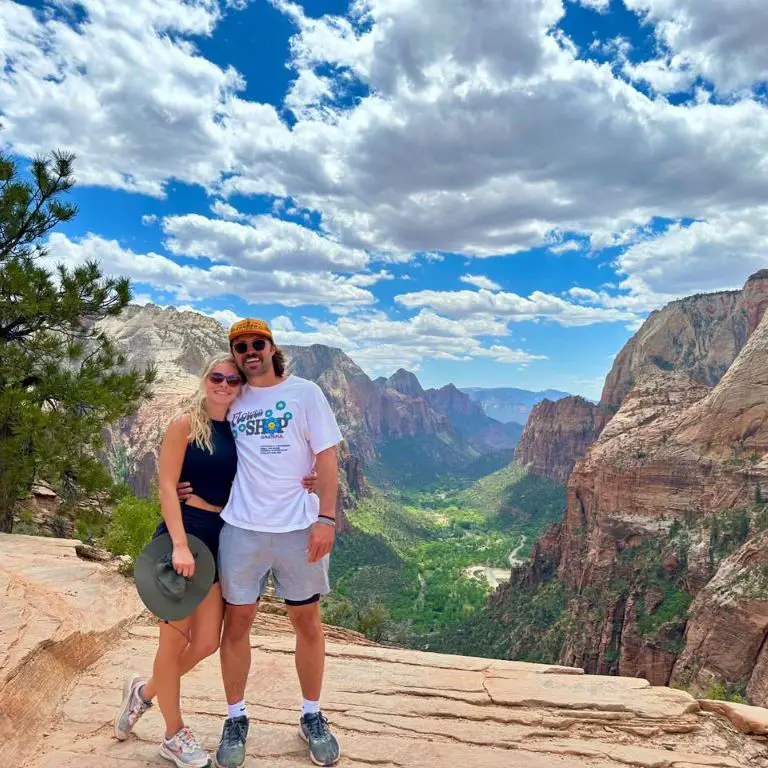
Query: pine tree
(61, 379)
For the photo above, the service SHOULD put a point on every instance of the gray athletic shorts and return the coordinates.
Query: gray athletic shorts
(247, 557)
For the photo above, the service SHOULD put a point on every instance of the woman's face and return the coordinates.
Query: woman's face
(223, 383)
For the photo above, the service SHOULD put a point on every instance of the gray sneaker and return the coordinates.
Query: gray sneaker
(132, 707)
(323, 747)
(231, 751)
(183, 750)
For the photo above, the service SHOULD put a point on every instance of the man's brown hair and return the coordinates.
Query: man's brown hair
(278, 362)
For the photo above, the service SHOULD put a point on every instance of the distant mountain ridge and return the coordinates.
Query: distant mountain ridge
(510, 404)
(469, 418)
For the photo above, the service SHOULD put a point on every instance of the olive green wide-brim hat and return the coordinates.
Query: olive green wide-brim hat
(166, 594)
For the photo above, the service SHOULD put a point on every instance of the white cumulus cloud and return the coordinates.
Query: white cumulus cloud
(511, 306)
(264, 242)
(480, 281)
(380, 345)
(474, 133)
(189, 283)
(722, 42)
(126, 90)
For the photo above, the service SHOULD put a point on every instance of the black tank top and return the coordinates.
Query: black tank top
(211, 475)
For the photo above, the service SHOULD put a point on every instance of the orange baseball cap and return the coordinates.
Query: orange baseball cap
(250, 325)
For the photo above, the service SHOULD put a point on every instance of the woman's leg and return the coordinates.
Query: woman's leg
(205, 634)
(166, 676)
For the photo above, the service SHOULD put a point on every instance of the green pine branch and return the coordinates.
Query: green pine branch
(62, 381)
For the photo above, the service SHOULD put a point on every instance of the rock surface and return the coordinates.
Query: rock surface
(728, 624)
(389, 707)
(558, 434)
(58, 615)
(635, 473)
(42, 509)
(700, 334)
(746, 718)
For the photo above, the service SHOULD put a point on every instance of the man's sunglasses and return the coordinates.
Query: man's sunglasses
(218, 378)
(241, 347)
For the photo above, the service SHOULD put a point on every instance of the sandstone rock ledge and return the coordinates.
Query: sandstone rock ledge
(62, 662)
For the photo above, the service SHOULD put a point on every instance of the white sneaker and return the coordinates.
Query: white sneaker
(131, 708)
(182, 748)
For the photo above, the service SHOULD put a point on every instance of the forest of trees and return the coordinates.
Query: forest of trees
(400, 573)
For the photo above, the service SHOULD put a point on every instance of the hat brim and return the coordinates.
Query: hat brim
(161, 605)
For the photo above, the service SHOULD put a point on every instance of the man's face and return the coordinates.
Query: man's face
(253, 354)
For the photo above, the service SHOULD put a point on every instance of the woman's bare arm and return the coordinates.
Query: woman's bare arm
(169, 469)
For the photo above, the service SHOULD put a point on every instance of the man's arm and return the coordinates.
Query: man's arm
(323, 534)
(327, 468)
(184, 490)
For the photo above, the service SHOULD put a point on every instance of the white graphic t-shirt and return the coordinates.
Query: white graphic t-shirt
(278, 430)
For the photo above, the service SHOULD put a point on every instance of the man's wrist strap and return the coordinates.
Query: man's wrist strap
(326, 520)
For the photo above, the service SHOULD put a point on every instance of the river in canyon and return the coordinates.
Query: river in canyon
(496, 576)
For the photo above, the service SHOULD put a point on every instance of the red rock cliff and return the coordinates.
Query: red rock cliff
(557, 434)
(661, 503)
(700, 335)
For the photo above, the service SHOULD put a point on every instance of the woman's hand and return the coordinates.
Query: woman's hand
(183, 560)
(309, 483)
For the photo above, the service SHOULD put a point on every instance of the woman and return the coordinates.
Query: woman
(197, 445)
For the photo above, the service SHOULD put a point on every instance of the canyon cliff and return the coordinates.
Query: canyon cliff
(471, 421)
(557, 434)
(699, 335)
(660, 562)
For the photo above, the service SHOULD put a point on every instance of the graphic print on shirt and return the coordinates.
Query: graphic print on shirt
(266, 425)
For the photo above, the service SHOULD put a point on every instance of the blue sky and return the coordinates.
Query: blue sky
(489, 192)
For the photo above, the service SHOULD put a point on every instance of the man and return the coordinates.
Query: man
(283, 425)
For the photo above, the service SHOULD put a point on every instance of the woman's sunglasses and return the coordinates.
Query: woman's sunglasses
(241, 347)
(218, 378)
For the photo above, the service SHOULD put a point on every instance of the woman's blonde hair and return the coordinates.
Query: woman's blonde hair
(200, 432)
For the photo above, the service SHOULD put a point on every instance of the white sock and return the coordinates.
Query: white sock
(237, 710)
(310, 707)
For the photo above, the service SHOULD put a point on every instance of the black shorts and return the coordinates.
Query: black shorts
(203, 524)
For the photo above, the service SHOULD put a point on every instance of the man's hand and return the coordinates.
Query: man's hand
(184, 491)
(321, 539)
